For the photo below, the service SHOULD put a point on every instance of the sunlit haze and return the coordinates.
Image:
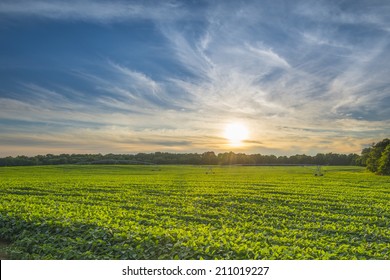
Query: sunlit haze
(236, 133)
(171, 76)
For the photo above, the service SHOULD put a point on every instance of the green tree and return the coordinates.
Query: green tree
(209, 158)
(362, 160)
(375, 154)
(384, 162)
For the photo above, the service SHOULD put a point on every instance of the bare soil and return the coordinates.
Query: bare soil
(3, 246)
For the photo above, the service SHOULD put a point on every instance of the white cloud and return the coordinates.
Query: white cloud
(268, 56)
(324, 39)
(89, 10)
(362, 13)
(138, 79)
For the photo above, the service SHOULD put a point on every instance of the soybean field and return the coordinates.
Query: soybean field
(193, 212)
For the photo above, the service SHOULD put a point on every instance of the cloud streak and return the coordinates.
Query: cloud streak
(88, 10)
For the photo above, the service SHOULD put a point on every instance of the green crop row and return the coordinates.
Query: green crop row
(186, 212)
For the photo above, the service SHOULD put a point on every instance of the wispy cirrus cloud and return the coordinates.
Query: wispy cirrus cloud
(373, 14)
(303, 78)
(89, 10)
(310, 90)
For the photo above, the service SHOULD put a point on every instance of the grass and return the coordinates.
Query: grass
(188, 212)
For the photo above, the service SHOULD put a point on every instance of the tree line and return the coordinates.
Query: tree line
(376, 158)
(207, 158)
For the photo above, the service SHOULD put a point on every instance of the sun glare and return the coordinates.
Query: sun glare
(236, 133)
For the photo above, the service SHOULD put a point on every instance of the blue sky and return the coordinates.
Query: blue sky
(145, 76)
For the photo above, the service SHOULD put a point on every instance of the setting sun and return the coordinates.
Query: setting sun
(236, 133)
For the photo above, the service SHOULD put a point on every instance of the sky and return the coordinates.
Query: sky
(303, 77)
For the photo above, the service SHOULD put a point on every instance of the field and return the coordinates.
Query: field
(193, 212)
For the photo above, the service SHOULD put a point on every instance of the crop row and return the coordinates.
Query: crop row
(180, 212)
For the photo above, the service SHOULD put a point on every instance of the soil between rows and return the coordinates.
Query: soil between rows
(3, 250)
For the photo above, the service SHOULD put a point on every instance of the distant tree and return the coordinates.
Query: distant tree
(384, 162)
(362, 160)
(283, 160)
(353, 159)
(227, 158)
(320, 159)
(209, 158)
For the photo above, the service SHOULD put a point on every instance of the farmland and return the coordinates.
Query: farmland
(193, 212)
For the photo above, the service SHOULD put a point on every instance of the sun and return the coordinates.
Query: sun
(236, 133)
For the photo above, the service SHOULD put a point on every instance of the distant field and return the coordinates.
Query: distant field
(193, 212)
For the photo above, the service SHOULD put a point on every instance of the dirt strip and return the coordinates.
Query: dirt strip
(3, 250)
